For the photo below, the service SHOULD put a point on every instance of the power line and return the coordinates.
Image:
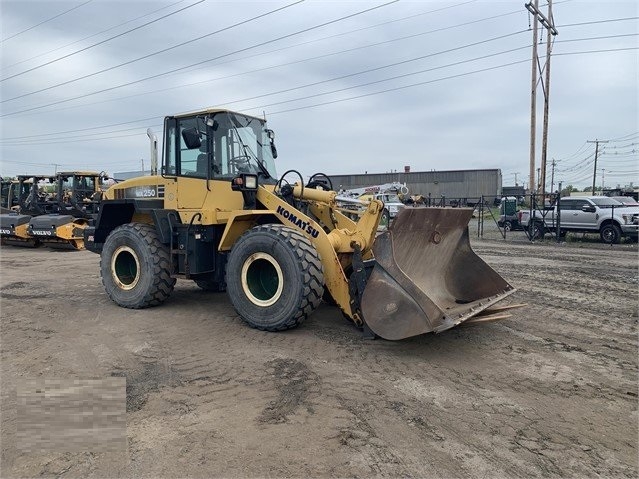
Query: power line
(355, 74)
(288, 101)
(200, 62)
(436, 30)
(297, 62)
(262, 54)
(45, 21)
(584, 144)
(164, 50)
(93, 35)
(94, 45)
(247, 48)
(594, 22)
(396, 77)
(351, 98)
(596, 51)
(625, 137)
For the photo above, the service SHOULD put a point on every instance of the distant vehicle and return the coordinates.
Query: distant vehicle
(388, 193)
(626, 200)
(508, 215)
(591, 214)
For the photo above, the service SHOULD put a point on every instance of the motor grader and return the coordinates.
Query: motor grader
(217, 214)
(52, 210)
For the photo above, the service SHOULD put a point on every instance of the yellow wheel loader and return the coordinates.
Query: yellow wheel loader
(218, 215)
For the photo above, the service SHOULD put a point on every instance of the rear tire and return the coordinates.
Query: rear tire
(508, 226)
(610, 233)
(134, 266)
(274, 277)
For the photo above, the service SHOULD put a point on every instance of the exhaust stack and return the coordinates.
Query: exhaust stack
(154, 150)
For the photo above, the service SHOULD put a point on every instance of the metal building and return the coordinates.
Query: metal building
(457, 184)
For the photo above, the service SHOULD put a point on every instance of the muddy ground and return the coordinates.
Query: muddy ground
(551, 392)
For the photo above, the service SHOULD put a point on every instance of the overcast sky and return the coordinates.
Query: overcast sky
(430, 106)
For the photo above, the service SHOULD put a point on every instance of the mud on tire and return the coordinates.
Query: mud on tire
(135, 267)
(274, 277)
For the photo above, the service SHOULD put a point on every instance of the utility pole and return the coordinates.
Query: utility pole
(551, 31)
(552, 176)
(516, 179)
(533, 100)
(55, 165)
(603, 179)
(142, 160)
(549, 24)
(594, 171)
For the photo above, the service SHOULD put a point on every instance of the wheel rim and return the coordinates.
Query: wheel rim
(262, 279)
(125, 268)
(507, 226)
(608, 234)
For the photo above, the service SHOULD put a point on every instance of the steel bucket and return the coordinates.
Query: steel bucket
(427, 278)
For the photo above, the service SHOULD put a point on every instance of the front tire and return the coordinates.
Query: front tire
(385, 219)
(610, 233)
(274, 277)
(538, 231)
(135, 267)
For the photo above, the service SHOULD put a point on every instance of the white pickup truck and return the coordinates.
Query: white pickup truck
(593, 214)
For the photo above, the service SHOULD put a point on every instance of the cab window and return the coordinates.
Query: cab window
(186, 152)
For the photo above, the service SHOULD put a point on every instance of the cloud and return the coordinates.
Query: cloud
(474, 121)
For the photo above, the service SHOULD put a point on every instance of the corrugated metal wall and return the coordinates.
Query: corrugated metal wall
(451, 184)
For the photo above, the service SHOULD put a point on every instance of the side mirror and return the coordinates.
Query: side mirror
(588, 209)
(191, 137)
(271, 137)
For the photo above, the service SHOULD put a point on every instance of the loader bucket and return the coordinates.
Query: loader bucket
(426, 277)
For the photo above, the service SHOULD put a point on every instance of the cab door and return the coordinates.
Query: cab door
(187, 158)
(578, 218)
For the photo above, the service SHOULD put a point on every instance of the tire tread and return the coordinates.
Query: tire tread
(313, 278)
(163, 283)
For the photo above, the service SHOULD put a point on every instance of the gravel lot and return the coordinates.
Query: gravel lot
(549, 392)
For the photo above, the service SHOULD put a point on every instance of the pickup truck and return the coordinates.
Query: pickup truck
(594, 214)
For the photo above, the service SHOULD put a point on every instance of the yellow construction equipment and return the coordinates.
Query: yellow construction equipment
(217, 214)
(52, 211)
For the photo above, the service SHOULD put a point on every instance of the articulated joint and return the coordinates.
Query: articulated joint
(344, 241)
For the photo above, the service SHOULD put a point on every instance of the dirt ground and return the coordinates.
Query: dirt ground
(550, 392)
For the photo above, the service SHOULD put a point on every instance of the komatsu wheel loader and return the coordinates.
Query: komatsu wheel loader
(218, 215)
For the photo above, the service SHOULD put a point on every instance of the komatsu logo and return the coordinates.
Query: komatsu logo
(299, 222)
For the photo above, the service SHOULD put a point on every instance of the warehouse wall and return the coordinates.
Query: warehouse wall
(451, 184)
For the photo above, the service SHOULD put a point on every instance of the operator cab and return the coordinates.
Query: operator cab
(218, 145)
